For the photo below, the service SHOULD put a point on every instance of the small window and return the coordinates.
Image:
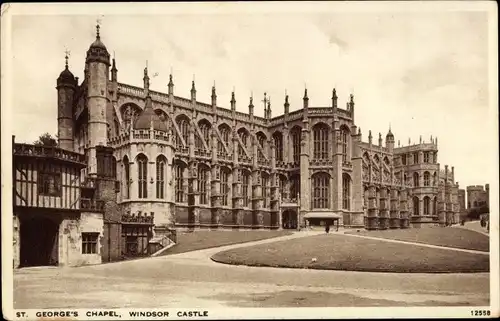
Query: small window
(49, 184)
(426, 157)
(89, 243)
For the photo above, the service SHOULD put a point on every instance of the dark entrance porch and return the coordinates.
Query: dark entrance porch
(289, 219)
(39, 242)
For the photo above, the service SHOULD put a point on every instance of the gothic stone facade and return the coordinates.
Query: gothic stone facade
(194, 164)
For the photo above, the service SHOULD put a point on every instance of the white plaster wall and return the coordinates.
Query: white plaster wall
(70, 240)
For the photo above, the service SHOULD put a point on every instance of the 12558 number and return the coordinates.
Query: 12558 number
(480, 313)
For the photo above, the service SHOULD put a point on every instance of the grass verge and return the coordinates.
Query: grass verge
(341, 252)
(199, 240)
(448, 236)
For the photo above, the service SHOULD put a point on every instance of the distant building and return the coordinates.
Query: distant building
(461, 201)
(478, 196)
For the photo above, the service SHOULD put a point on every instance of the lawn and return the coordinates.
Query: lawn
(442, 236)
(198, 240)
(343, 252)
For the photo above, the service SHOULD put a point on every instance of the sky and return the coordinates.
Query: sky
(421, 72)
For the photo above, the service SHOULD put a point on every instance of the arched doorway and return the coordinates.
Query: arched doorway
(289, 219)
(39, 242)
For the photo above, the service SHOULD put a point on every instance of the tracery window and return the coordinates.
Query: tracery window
(265, 192)
(126, 178)
(416, 180)
(224, 186)
(346, 192)
(427, 205)
(427, 179)
(245, 187)
(320, 141)
(161, 162)
(416, 206)
(183, 124)
(179, 183)
(294, 186)
(142, 166)
(278, 146)
(344, 138)
(224, 131)
(296, 133)
(321, 190)
(202, 184)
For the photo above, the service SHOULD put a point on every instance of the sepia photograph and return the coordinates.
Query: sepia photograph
(249, 160)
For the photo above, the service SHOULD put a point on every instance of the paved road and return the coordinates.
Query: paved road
(193, 280)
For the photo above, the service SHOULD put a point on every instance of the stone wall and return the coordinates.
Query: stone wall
(70, 239)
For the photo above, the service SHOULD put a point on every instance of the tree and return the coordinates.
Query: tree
(46, 140)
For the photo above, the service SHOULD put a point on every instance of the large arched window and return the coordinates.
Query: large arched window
(346, 192)
(126, 178)
(179, 182)
(225, 132)
(161, 163)
(294, 186)
(427, 205)
(320, 141)
(344, 132)
(434, 179)
(142, 167)
(224, 186)
(416, 180)
(416, 206)
(265, 190)
(261, 138)
(202, 184)
(296, 134)
(245, 176)
(278, 146)
(183, 124)
(427, 179)
(282, 184)
(205, 127)
(321, 190)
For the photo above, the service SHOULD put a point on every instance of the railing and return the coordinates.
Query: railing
(202, 152)
(224, 156)
(91, 205)
(244, 159)
(262, 161)
(280, 164)
(182, 150)
(139, 218)
(46, 151)
(321, 162)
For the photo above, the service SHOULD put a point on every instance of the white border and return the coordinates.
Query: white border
(9, 10)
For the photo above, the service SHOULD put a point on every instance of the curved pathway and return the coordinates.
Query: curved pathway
(193, 280)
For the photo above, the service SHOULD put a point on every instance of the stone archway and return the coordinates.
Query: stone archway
(39, 242)
(289, 219)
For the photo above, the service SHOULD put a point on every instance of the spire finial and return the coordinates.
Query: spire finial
(98, 26)
(67, 52)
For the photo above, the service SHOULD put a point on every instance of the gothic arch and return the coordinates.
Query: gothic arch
(128, 109)
(345, 128)
(416, 205)
(278, 143)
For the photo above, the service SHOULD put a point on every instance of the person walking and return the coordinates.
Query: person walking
(327, 228)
